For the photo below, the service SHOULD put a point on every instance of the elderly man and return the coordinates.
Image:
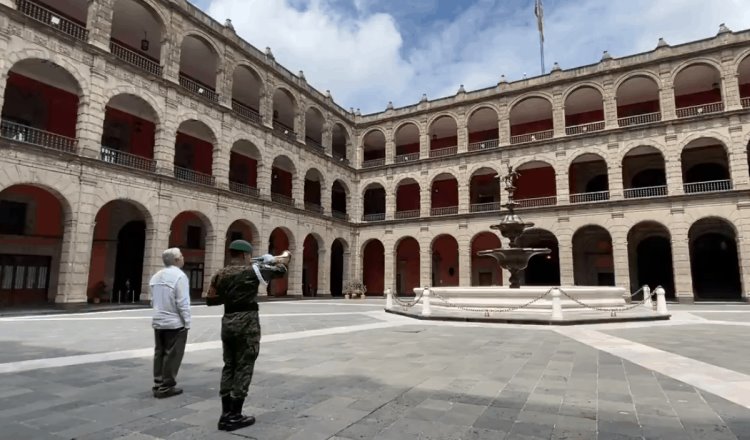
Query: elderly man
(170, 297)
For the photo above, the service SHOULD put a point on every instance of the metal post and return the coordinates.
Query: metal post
(426, 309)
(661, 301)
(388, 299)
(541, 49)
(557, 313)
(647, 297)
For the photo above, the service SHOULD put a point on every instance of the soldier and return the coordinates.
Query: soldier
(236, 286)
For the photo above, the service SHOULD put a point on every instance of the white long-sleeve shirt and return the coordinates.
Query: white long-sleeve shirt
(170, 298)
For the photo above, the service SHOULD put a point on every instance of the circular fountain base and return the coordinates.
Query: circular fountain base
(578, 305)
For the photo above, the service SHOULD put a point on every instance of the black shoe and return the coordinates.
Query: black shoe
(238, 420)
(169, 392)
(226, 412)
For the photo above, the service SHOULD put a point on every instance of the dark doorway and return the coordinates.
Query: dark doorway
(543, 270)
(337, 268)
(715, 268)
(654, 265)
(131, 242)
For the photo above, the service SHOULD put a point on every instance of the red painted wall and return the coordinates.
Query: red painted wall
(639, 108)
(707, 97)
(407, 197)
(141, 139)
(446, 195)
(279, 286)
(407, 149)
(282, 184)
(486, 135)
(584, 118)
(447, 247)
(48, 219)
(536, 182)
(407, 263)
(531, 127)
(373, 267)
(312, 192)
(178, 236)
(310, 263)
(250, 166)
(436, 144)
(202, 152)
(61, 106)
(97, 264)
(744, 90)
(482, 242)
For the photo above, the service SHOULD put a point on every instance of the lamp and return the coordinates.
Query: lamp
(144, 42)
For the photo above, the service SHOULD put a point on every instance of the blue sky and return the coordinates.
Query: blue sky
(369, 52)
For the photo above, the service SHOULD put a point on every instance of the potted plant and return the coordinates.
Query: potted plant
(354, 289)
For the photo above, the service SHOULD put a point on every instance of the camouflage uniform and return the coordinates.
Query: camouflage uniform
(237, 288)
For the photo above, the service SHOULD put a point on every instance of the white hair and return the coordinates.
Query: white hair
(170, 256)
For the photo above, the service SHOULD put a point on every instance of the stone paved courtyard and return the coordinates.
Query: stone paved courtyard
(345, 370)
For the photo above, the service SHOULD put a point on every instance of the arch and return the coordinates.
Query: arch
(284, 110)
(310, 264)
(189, 231)
(593, 263)
(314, 184)
(242, 229)
(31, 251)
(530, 116)
(637, 94)
(650, 257)
(373, 267)
(444, 261)
(247, 90)
(644, 172)
(444, 194)
(339, 266)
(373, 148)
(588, 178)
(130, 125)
(374, 202)
(542, 270)
(484, 190)
(279, 240)
(244, 158)
(697, 83)
(705, 160)
(408, 198)
(407, 138)
(339, 199)
(407, 265)
(484, 270)
(443, 131)
(149, 106)
(584, 105)
(340, 142)
(47, 67)
(537, 183)
(148, 18)
(283, 174)
(194, 150)
(714, 259)
(196, 77)
(314, 125)
(483, 124)
(118, 252)
(743, 78)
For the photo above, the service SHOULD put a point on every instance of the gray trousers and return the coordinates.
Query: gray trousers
(168, 352)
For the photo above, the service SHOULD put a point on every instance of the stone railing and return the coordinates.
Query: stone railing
(373, 163)
(193, 176)
(485, 207)
(484, 145)
(588, 197)
(745, 102)
(410, 157)
(135, 59)
(241, 188)
(449, 210)
(412, 213)
(246, 112)
(584, 128)
(373, 217)
(339, 215)
(312, 143)
(339, 157)
(282, 199)
(283, 130)
(52, 19)
(110, 155)
(532, 137)
(537, 202)
(645, 192)
(647, 118)
(34, 136)
(198, 88)
(710, 186)
(696, 110)
(313, 207)
(442, 152)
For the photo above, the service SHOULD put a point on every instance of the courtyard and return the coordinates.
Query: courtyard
(345, 370)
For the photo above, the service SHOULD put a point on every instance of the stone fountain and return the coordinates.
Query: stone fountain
(527, 304)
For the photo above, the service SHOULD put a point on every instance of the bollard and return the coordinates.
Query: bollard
(388, 299)
(661, 301)
(557, 313)
(426, 310)
(647, 297)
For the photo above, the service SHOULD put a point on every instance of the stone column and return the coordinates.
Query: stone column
(266, 107)
(325, 198)
(390, 200)
(389, 272)
(425, 259)
(562, 184)
(565, 250)
(328, 139)
(165, 140)
(171, 53)
(681, 260)
(558, 115)
(673, 166)
(666, 97)
(390, 150)
(99, 23)
(324, 270)
(91, 111)
(298, 191)
(222, 156)
(213, 257)
(610, 106)
(463, 194)
(743, 247)
(738, 160)
(730, 88)
(264, 180)
(300, 126)
(425, 200)
(620, 259)
(294, 280)
(503, 125)
(614, 176)
(464, 261)
(424, 145)
(463, 139)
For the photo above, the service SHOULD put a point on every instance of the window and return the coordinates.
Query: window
(193, 237)
(12, 217)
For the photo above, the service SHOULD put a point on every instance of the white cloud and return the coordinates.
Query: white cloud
(360, 55)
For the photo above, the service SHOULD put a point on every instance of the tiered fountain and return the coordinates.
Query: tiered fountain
(527, 304)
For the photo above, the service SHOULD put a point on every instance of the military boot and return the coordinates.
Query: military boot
(226, 412)
(236, 419)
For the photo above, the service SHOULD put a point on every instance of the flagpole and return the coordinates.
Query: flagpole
(541, 50)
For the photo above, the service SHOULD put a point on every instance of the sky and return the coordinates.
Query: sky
(370, 52)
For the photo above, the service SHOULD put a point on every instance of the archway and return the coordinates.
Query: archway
(407, 266)
(483, 129)
(129, 133)
(373, 203)
(697, 90)
(705, 166)
(340, 143)
(137, 35)
(310, 253)
(194, 152)
(485, 270)
(373, 267)
(408, 199)
(587, 179)
(643, 173)
(314, 122)
(407, 143)
(444, 195)
(584, 111)
(117, 253)
(188, 232)
(247, 88)
(338, 266)
(444, 255)
(543, 270)
(199, 77)
(284, 113)
(283, 174)
(531, 120)
(339, 196)
(714, 262)
(32, 231)
(279, 241)
(243, 168)
(312, 191)
(650, 258)
(242, 230)
(443, 136)
(373, 149)
(536, 185)
(638, 101)
(593, 264)
(484, 191)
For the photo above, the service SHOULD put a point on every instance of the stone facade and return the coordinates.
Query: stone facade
(84, 183)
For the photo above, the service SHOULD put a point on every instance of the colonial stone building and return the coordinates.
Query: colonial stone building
(129, 126)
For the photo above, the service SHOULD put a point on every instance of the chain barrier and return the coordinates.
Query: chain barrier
(488, 310)
(407, 304)
(613, 310)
